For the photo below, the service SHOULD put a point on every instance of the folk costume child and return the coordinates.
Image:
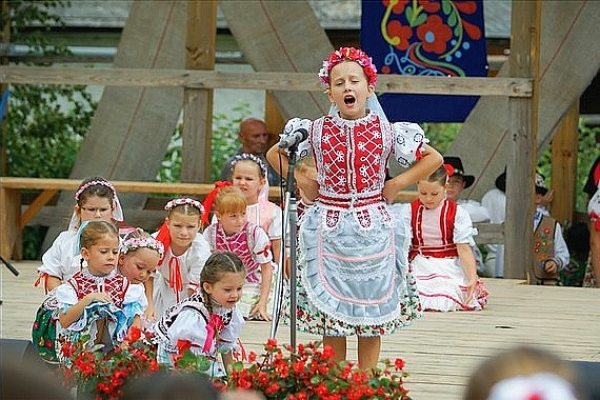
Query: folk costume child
(138, 259)
(249, 173)
(440, 253)
(97, 301)
(550, 252)
(95, 199)
(353, 274)
(186, 251)
(234, 233)
(208, 322)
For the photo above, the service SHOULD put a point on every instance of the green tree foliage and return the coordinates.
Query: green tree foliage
(44, 124)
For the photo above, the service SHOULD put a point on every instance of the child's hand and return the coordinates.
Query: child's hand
(471, 285)
(98, 296)
(261, 310)
(150, 312)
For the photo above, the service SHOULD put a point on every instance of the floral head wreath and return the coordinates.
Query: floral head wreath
(184, 200)
(210, 198)
(89, 184)
(348, 54)
(136, 243)
(252, 157)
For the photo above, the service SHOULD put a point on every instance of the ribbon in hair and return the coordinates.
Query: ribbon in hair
(164, 236)
(210, 198)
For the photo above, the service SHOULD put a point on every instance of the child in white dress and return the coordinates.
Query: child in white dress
(97, 301)
(139, 257)
(248, 241)
(178, 275)
(440, 254)
(95, 199)
(208, 323)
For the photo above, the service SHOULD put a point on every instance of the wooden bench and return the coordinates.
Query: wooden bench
(14, 216)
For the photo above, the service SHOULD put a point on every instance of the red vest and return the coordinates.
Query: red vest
(446, 224)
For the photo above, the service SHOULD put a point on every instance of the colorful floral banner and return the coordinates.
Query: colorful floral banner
(425, 38)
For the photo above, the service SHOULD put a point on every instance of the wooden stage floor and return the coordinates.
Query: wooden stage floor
(440, 350)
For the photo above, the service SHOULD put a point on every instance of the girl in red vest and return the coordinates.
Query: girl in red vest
(440, 253)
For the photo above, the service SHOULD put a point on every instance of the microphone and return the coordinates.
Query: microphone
(299, 135)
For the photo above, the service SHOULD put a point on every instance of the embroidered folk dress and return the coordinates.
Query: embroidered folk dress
(190, 324)
(129, 301)
(177, 274)
(251, 244)
(434, 257)
(353, 274)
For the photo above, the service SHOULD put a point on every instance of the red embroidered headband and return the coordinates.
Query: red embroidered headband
(348, 54)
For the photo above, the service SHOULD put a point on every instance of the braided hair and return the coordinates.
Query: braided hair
(217, 265)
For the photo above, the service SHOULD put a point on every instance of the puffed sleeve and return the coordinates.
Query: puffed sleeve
(408, 139)
(463, 227)
(62, 257)
(198, 254)
(65, 296)
(262, 245)
(209, 236)
(135, 302)
(191, 326)
(228, 338)
(275, 225)
(293, 125)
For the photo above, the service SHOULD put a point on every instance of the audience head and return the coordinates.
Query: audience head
(171, 385)
(523, 373)
(254, 136)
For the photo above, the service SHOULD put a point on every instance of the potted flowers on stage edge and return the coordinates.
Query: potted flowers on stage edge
(306, 373)
(310, 373)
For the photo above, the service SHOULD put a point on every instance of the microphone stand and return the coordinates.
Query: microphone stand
(290, 219)
(10, 268)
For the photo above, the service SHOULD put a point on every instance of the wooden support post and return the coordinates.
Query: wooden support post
(523, 116)
(200, 46)
(564, 166)
(11, 239)
(273, 118)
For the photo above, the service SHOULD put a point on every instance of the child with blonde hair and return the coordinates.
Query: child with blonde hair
(440, 253)
(186, 251)
(249, 173)
(96, 302)
(95, 199)
(138, 259)
(248, 241)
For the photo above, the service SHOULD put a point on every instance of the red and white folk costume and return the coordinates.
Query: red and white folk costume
(252, 245)
(434, 257)
(353, 271)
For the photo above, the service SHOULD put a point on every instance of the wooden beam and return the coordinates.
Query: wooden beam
(523, 116)
(200, 48)
(40, 201)
(564, 166)
(512, 87)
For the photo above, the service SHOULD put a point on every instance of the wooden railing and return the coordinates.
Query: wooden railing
(14, 216)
